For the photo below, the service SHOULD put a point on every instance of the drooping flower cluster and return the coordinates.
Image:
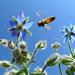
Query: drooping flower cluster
(41, 44)
(56, 46)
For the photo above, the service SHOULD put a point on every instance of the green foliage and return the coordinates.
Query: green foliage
(23, 71)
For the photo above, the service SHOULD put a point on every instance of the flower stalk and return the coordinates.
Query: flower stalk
(59, 65)
(18, 37)
(45, 66)
(69, 44)
(33, 55)
(15, 67)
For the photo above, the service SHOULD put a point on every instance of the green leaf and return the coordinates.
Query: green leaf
(20, 72)
(23, 71)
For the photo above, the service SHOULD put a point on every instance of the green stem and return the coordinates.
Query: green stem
(33, 55)
(60, 69)
(56, 50)
(44, 68)
(25, 69)
(15, 67)
(69, 44)
(18, 38)
(13, 58)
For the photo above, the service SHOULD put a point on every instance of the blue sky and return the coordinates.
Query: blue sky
(63, 10)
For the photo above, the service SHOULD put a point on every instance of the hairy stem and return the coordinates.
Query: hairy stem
(33, 55)
(60, 69)
(15, 67)
(18, 37)
(69, 44)
(25, 69)
(44, 68)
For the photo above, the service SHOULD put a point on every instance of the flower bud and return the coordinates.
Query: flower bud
(17, 55)
(51, 61)
(0, 41)
(22, 45)
(38, 71)
(4, 42)
(21, 56)
(5, 64)
(11, 44)
(25, 56)
(11, 72)
(41, 44)
(16, 52)
(56, 46)
(67, 60)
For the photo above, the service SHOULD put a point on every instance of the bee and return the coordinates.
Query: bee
(46, 21)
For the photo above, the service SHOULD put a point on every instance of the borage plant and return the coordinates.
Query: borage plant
(22, 56)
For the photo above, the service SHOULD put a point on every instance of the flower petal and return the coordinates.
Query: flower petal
(66, 39)
(71, 27)
(73, 37)
(28, 25)
(72, 34)
(14, 33)
(23, 34)
(21, 17)
(66, 30)
(12, 23)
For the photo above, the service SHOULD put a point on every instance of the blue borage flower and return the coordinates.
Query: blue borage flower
(69, 33)
(19, 25)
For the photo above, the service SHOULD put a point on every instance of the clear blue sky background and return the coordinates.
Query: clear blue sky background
(63, 10)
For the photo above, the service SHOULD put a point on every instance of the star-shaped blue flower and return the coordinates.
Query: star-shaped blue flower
(19, 25)
(69, 33)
